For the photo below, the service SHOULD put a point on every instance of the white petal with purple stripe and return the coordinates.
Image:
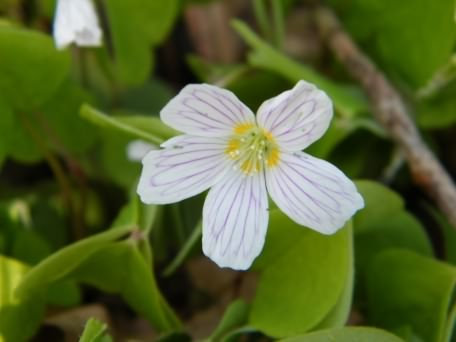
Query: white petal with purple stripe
(205, 110)
(186, 166)
(235, 219)
(297, 117)
(313, 192)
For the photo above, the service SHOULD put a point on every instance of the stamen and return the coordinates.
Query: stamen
(252, 149)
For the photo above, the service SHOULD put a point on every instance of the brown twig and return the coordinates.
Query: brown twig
(390, 110)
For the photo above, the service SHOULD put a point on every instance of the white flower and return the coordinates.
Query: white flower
(242, 160)
(76, 21)
(137, 149)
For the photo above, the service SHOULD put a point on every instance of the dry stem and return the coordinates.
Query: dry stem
(390, 110)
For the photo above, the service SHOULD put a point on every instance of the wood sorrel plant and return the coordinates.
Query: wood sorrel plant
(243, 159)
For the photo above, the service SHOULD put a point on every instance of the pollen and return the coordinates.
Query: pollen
(253, 149)
(242, 128)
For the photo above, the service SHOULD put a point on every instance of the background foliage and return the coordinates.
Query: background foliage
(76, 243)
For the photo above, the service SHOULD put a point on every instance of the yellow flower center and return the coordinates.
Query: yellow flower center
(252, 148)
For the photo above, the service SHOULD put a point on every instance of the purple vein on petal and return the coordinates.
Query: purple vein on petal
(238, 107)
(234, 225)
(315, 218)
(227, 116)
(294, 112)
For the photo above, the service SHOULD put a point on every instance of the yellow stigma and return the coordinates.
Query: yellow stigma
(252, 148)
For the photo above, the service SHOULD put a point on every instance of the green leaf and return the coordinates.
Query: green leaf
(449, 235)
(28, 311)
(373, 233)
(160, 17)
(411, 38)
(31, 69)
(380, 202)
(61, 115)
(235, 315)
(132, 53)
(438, 111)
(64, 294)
(150, 129)
(351, 334)
(111, 160)
(30, 247)
(6, 125)
(49, 221)
(150, 97)
(64, 261)
(148, 23)
(349, 101)
(95, 331)
(338, 316)
(120, 268)
(401, 230)
(293, 255)
(407, 289)
(15, 141)
(135, 213)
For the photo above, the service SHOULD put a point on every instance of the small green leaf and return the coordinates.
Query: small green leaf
(401, 230)
(95, 331)
(449, 234)
(373, 233)
(409, 44)
(148, 24)
(380, 202)
(28, 311)
(160, 17)
(64, 294)
(438, 111)
(150, 97)
(31, 69)
(61, 114)
(136, 213)
(112, 159)
(338, 316)
(351, 334)
(132, 50)
(235, 316)
(15, 141)
(64, 261)
(30, 247)
(119, 268)
(407, 289)
(304, 274)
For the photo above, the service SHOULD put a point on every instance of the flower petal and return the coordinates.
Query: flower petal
(187, 166)
(297, 117)
(206, 110)
(313, 192)
(235, 220)
(76, 21)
